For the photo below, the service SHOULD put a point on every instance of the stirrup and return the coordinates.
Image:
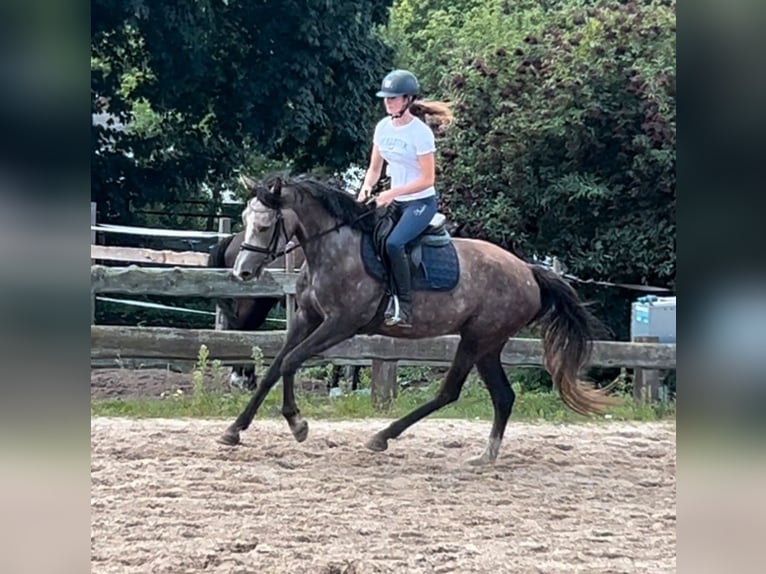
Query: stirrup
(397, 318)
(391, 307)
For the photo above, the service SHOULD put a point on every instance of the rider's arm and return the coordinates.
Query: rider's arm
(427, 177)
(373, 173)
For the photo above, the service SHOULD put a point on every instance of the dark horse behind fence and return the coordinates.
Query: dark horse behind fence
(250, 314)
(338, 297)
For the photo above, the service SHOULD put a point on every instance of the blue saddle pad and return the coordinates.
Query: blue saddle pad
(439, 271)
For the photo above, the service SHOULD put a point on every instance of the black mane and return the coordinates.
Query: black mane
(336, 202)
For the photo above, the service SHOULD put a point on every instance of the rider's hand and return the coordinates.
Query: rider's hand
(364, 195)
(385, 198)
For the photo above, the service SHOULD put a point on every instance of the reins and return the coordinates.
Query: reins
(271, 250)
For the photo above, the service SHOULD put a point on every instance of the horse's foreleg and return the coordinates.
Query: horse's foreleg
(328, 334)
(300, 328)
(448, 393)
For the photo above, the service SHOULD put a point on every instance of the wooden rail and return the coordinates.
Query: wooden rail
(140, 255)
(183, 344)
(188, 282)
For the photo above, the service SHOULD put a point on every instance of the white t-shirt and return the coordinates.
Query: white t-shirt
(400, 146)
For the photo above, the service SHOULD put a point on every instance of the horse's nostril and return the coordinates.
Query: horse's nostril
(246, 274)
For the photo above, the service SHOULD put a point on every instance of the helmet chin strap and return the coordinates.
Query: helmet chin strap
(405, 107)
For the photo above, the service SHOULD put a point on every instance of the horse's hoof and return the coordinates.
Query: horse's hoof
(229, 438)
(482, 460)
(300, 430)
(377, 443)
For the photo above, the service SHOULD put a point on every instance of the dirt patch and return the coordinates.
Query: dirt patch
(138, 383)
(109, 383)
(561, 499)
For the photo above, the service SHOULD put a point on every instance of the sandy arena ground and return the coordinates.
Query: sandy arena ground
(166, 498)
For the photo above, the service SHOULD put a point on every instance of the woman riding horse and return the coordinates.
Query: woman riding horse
(495, 296)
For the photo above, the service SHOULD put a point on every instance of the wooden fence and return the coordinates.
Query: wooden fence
(140, 281)
(383, 353)
(183, 344)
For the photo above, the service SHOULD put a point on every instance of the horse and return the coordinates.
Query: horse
(496, 294)
(244, 314)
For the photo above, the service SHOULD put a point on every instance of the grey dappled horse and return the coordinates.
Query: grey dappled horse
(497, 294)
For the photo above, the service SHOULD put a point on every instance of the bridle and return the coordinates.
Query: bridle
(281, 231)
(271, 250)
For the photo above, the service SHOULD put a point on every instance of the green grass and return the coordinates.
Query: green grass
(474, 403)
(216, 400)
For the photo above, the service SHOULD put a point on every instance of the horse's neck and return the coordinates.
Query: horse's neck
(312, 219)
(317, 245)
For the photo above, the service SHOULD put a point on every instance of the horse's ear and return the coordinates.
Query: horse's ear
(277, 187)
(248, 182)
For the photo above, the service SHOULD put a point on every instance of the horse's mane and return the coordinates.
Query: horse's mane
(338, 203)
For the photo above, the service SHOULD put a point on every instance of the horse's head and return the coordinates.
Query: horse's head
(269, 225)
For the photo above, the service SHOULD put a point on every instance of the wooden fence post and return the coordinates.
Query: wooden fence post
(221, 323)
(646, 382)
(384, 387)
(93, 211)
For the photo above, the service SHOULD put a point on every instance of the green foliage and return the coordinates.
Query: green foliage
(203, 88)
(435, 37)
(109, 313)
(256, 354)
(203, 395)
(535, 401)
(565, 131)
(474, 404)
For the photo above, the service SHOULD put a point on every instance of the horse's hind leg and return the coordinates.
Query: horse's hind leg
(337, 373)
(243, 377)
(448, 393)
(492, 373)
(301, 327)
(251, 379)
(355, 377)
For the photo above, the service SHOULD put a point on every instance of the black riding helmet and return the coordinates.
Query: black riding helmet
(399, 83)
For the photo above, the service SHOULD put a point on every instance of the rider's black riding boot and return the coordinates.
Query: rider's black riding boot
(401, 314)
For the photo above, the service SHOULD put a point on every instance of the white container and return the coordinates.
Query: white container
(653, 316)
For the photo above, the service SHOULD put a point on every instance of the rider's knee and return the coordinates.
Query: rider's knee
(394, 248)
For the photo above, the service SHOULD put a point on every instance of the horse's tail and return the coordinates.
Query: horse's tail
(567, 341)
(217, 256)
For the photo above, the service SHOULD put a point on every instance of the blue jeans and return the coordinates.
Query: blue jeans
(416, 215)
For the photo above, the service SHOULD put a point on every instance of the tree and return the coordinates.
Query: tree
(564, 140)
(199, 87)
